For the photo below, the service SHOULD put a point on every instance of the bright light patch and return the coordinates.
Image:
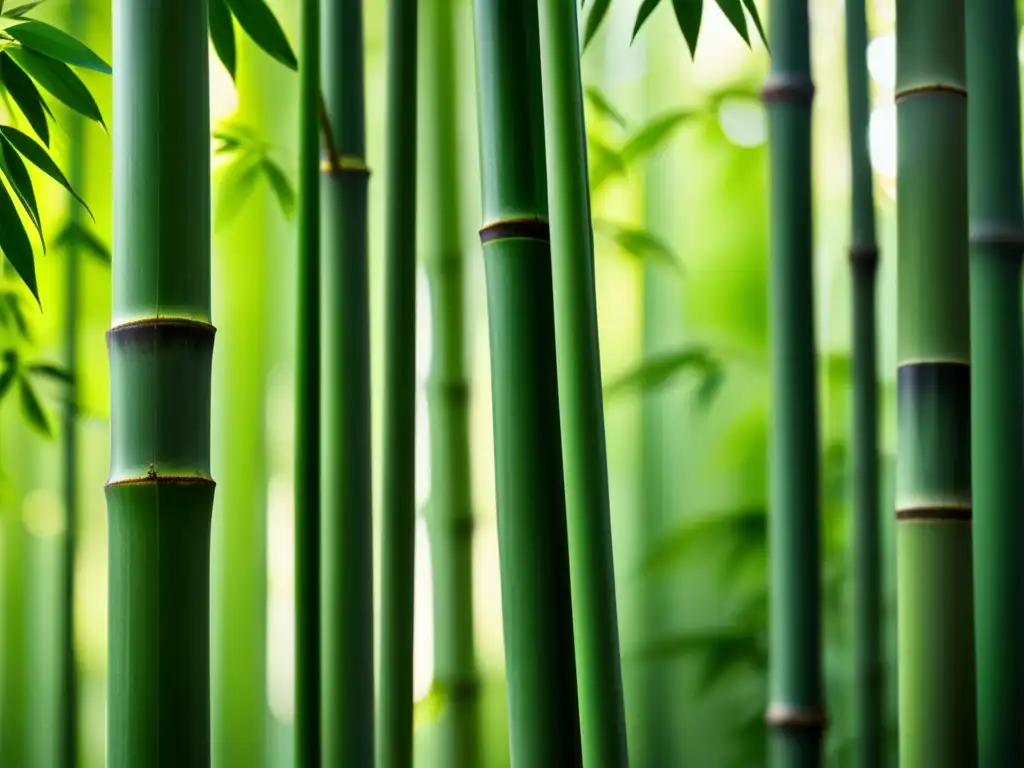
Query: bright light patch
(281, 598)
(42, 513)
(882, 141)
(223, 96)
(743, 122)
(882, 60)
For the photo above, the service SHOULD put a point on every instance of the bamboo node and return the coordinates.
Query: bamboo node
(796, 717)
(866, 255)
(153, 477)
(935, 513)
(792, 88)
(509, 229)
(928, 89)
(149, 329)
(1003, 236)
(344, 165)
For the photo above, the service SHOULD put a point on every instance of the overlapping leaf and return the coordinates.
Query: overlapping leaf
(249, 160)
(258, 22)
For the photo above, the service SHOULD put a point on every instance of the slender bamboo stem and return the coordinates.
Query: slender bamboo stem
(14, 671)
(308, 407)
(867, 566)
(69, 433)
(796, 715)
(997, 411)
(449, 513)
(398, 495)
(935, 613)
(347, 550)
(160, 493)
(596, 629)
(532, 538)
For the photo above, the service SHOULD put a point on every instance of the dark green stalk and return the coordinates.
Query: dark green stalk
(160, 493)
(398, 496)
(533, 547)
(602, 713)
(449, 513)
(796, 714)
(14, 670)
(308, 634)
(997, 412)
(935, 611)
(347, 550)
(69, 433)
(867, 567)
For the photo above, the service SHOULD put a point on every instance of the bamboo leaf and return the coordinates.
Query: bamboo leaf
(746, 527)
(751, 7)
(27, 97)
(688, 13)
(709, 386)
(33, 409)
(597, 13)
(75, 234)
(13, 302)
(280, 185)
(598, 101)
(655, 133)
(41, 159)
(17, 175)
(734, 645)
(733, 10)
(256, 18)
(51, 371)
(15, 244)
(659, 369)
(19, 11)
(222, 33)
(236, 185)
(57, 78)
(646, 9)
(58, 45)
(639, 243)
(6, 379)
(604, 163)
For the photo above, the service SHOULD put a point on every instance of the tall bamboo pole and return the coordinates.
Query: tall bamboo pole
(867, 566)
(347, 549)
(796, 716)
(449, 512)
(532, 538)
(997, 411)
(398, 494)
(596, 629)
(160, 493)
(935, 613)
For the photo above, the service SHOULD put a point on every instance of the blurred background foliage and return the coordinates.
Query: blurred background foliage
(679, 173)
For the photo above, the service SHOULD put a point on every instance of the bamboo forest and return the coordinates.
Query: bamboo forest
(511, 383)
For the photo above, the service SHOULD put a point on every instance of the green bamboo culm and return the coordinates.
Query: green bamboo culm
(398, 495)
(997, 441)
(449, 512)
(935, 612)
(160, 493)
(69, 431)
(796, 714)
(596, 630)
(867, 559)
(346, 526)
(307, 403)
(532, 539)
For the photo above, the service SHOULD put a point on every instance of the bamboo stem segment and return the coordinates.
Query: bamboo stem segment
(935, 613)
(796, 716)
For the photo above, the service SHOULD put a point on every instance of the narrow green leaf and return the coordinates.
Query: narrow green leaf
(33, 409)
(279, 183)
(222, 33)
(15, 244)
(256, 18)
(19, 11)
(41, 159)
(740, 641)
(16, 173)
(597, 13)
(6, 379)
(646, 9)
(27, 97)
(604, 107)
(604, 162)
(58, 79)
(751, 7)
(58, 45)
(656, 132)
(699, 533)
(639, 243)
(688, 13)
(51, 371)
(236, 185)
(75, 234)
(710, 386)
(659, 369)
(733, 10)
(13, 302)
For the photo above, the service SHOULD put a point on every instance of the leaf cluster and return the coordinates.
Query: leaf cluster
(249, 160)
(258, 21)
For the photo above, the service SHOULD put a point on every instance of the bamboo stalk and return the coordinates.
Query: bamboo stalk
(867, 585)
(596, 630)
(532, 538)
(997, 441)
(347, 549)
(796, 714)
(935, 615)
(14, 671)
(398, 494)
(160, 493)
(308, 740)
